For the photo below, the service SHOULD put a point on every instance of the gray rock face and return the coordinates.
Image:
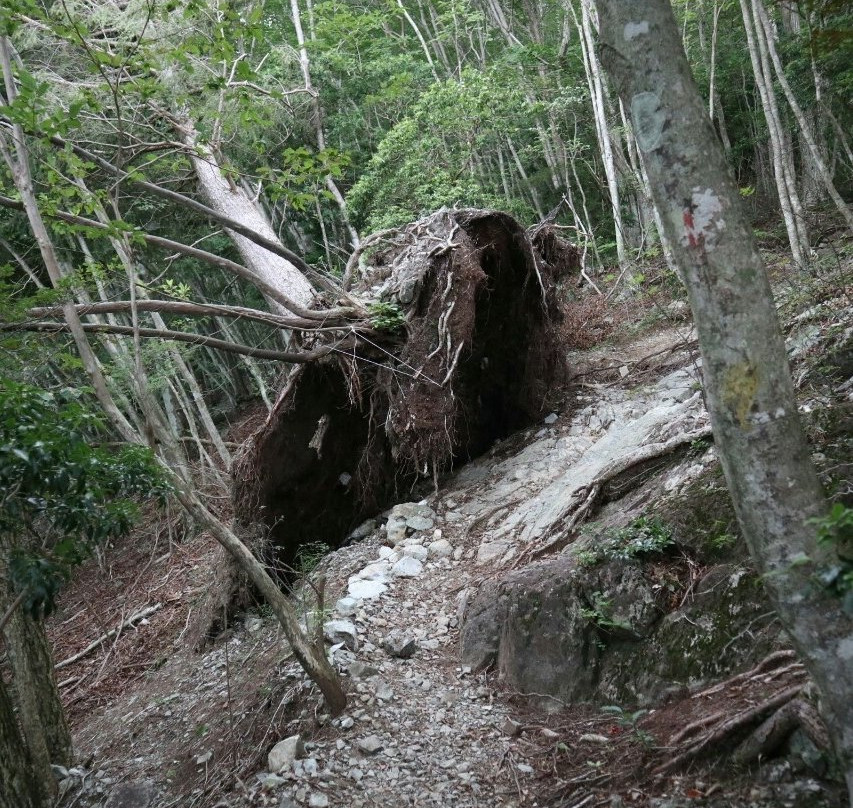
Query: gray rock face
(491, 551)
(282, 755)
(602, 633)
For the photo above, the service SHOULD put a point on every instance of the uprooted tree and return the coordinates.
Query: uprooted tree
(445, 343)
(464, 351)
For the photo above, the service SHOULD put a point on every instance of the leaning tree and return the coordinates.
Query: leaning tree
(763, 449)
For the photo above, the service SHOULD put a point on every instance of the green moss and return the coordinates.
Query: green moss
(740, 384)
(703, 519)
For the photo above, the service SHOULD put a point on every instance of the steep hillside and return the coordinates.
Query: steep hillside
(570, 619)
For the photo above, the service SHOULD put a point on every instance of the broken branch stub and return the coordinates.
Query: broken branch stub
(473, 358)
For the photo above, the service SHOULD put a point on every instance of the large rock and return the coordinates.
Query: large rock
(341, 631)
(606, 633)
(282, 755)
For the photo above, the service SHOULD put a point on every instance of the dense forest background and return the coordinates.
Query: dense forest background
(339, 119)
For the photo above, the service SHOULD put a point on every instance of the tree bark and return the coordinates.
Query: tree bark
(17, 785)
(783, 163)
(39, 704)
(229, 199)
(592, 68)
(765, 456)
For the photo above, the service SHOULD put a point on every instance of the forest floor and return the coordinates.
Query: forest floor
(157, 724)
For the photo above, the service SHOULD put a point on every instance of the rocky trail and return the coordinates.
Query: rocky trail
(456, 697)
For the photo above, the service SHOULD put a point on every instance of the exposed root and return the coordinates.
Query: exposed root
(730, 726)
(475, 356)
(775, 730)
(585, 498)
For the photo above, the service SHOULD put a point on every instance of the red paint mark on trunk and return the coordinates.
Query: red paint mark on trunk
(688, 225)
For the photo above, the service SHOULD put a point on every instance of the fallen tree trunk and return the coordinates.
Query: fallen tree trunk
(466, 313)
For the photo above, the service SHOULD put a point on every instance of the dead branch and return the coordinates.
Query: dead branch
(134, 618)
(181, 336)
(182, 307)
(203, 255)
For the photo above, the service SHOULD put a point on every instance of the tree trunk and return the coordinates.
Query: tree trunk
(783, 162)
(19, 167)
(17, 785)
(229, 199)
(750, 395)
(592, 68)
(39, 705)
(311, 657)
(805, 128)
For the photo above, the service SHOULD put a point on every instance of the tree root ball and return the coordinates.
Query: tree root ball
(473, 357)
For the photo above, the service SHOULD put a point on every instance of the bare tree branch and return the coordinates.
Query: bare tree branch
(203, 255)
(181, 336)
(189, 309)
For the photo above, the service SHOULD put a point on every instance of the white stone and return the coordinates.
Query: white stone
(341, 631)
(395, 530)
(417, 551)
(407, 567)
(441, 548)
(346, 607)
(282, 755)
(377, 571)
(365, 590)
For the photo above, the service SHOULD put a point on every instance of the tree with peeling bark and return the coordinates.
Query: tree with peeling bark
(750, 395)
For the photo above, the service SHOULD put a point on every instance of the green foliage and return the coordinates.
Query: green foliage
(835, 530)
(310, 555)
(643, 537)
(62, 496)
(600, 612)
(430, 158)
(630, 721)
(385, 316)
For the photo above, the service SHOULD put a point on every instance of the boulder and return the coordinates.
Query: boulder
(282, 755)
(608, 633)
